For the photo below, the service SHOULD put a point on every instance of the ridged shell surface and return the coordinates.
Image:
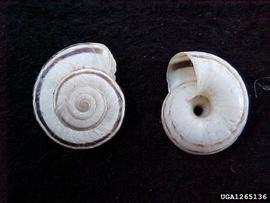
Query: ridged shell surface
(76, 99)
(207, 105)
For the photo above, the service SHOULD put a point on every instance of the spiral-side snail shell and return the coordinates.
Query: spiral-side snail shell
(76, 99)
(207, 105)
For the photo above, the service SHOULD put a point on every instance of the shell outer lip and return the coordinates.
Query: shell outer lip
(78, 46)
(119, 91)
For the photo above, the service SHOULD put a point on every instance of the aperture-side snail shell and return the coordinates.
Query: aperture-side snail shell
(76, 99)
(207, 105)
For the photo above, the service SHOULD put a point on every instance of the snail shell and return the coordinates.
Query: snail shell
(76, 99)
(207, 105)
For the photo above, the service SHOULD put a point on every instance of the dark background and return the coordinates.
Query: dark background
(140, 164)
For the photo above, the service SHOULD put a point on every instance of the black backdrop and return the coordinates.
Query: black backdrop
(140, 164)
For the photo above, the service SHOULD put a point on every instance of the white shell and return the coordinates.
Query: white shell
(76, 99)
(208, 83)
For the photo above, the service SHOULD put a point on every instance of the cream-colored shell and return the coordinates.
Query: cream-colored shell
(204, 81)
(76, 99)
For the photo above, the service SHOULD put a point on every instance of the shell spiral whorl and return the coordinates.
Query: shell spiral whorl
(76, 99)
(207, 105)
(81, 107)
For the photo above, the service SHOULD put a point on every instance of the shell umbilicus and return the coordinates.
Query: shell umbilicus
(76, 99)
(207, 105)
